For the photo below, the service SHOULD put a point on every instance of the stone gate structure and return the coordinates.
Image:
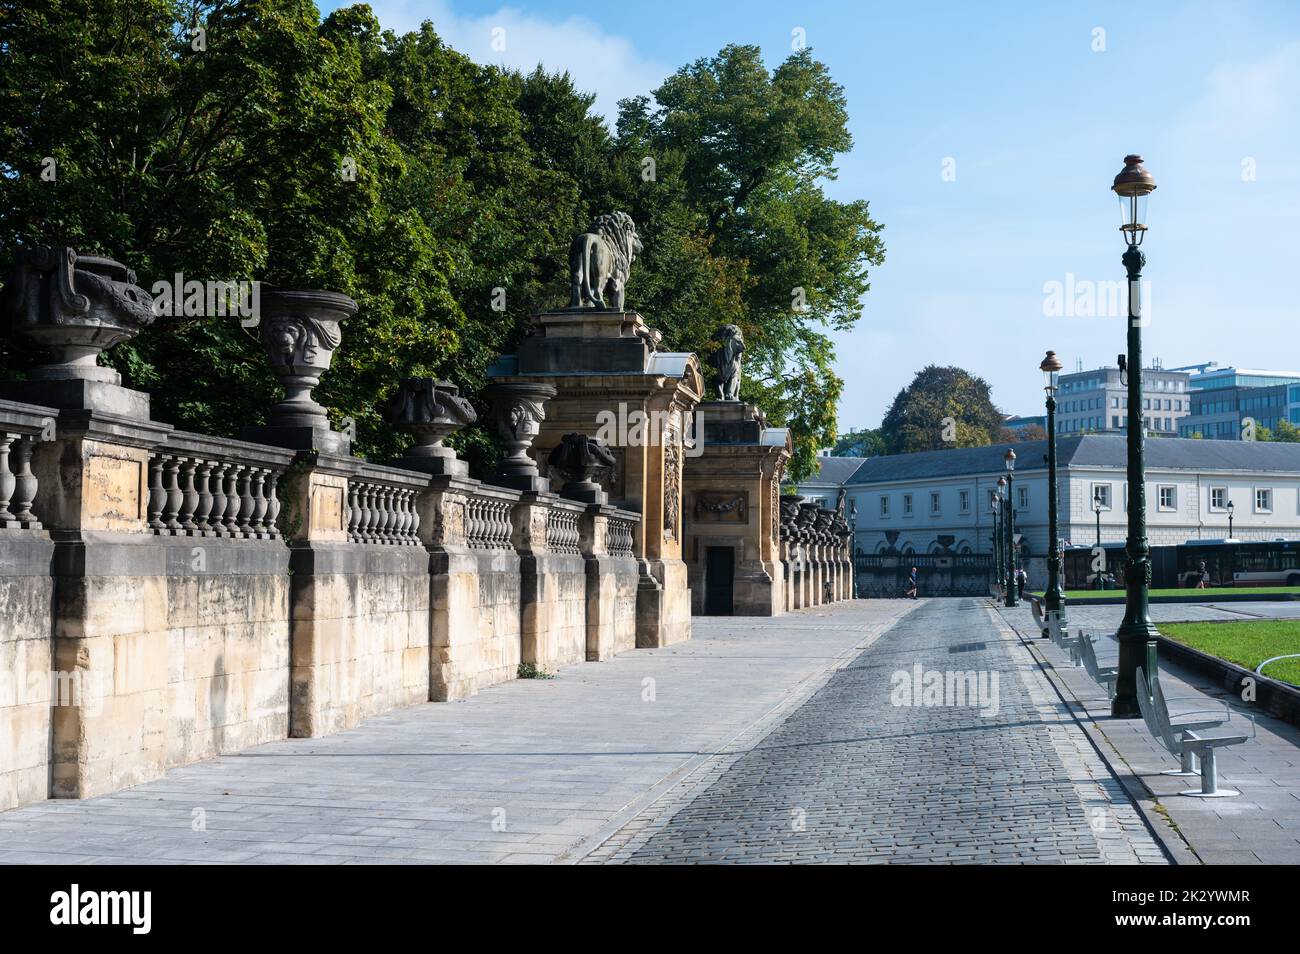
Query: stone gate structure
(732, 515)
(610, 381)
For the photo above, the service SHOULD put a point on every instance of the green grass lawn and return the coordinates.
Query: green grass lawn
(1247, 643)
(1208, 594)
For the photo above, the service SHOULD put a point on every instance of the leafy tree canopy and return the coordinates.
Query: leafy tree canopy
(252, 140)
(864, 443)
(942, 407)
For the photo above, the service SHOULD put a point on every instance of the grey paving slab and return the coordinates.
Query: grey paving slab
(862, 772)
(554, 763)
(1262, 825)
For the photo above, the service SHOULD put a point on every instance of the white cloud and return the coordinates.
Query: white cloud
(609, 66)
(1245, 99)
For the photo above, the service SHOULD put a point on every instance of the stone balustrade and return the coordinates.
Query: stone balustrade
(487, 523)
(562, 534)
(382, 512)
(22, 427)
(620, 536)
(202, 486)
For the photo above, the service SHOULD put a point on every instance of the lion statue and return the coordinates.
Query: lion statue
(726, 360)
(600, 259)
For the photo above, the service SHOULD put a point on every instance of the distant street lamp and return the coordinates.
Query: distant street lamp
(1231, 507)
(1054, 596)
(1096, 508)
(995, 509)
(1009, 526)
(1136, 634)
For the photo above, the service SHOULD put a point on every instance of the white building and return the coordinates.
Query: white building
(920, 497)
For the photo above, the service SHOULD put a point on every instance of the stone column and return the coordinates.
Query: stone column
(612, 576)
(474, 574)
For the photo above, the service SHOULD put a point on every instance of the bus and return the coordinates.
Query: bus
(1227, 563)
(1234, 563)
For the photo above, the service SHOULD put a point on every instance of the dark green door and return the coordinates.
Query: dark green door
(719, 577)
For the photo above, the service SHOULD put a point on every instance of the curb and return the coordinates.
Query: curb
(1162, 827)
(1279, 699)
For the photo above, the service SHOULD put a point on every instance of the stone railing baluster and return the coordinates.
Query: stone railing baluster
(273, 505)
(189, 496)
(354, 511)
(25, 485)
(230, 519)
(157, 495)
(173, 500)
(217, 515)
(256, 528)
(7, 480)
(246, 502)
(203, 486)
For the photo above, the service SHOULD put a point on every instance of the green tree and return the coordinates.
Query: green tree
(942, 407)
(1284, 433)
(864, 443)
(253, 141)
(737, 215)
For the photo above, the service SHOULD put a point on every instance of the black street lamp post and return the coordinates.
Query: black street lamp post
(1231, 507)
(1096, 508)
(1136, 634)
(995, 507)
(1054, 596)
(1009, 529)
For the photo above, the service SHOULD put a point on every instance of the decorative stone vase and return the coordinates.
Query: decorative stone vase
(519, 409)
(578, 458)
(300, 329)
(430, 410)
(76, 306)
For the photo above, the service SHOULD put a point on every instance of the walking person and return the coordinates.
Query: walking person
(911, 585)
(1202, 576)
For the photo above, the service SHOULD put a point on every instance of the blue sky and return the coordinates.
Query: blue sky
(986, 136)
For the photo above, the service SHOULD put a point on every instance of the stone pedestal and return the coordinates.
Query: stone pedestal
(110, 625)
(611, 384)
(552, 580)
(731, 501)
(474, 586)
(359, 641)
(612, 580)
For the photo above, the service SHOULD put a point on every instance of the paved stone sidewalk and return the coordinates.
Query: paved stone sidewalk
(529, 771)
(1262, 825)
(851, 776)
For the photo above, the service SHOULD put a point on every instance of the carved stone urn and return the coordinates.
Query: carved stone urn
(76, 306)
(430, 410)
(578, 458)
(300, 329)
(519, 409)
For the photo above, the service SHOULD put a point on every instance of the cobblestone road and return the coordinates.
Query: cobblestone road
(852, 776)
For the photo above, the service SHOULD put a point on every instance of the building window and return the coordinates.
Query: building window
(1101, 492)
(1263, 500)
(1218, 498)
(907, 505)
(1022, 498)
(1114, 402)
(884, 506)
(1168, 498)
(1114, 420)
(934, 501)
(963, 501)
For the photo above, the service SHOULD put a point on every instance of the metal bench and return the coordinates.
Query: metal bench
(1184, 739)
(1102, 675)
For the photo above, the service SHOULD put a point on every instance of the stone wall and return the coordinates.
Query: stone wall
(219, 594)
(27, 596)
(227, 646)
